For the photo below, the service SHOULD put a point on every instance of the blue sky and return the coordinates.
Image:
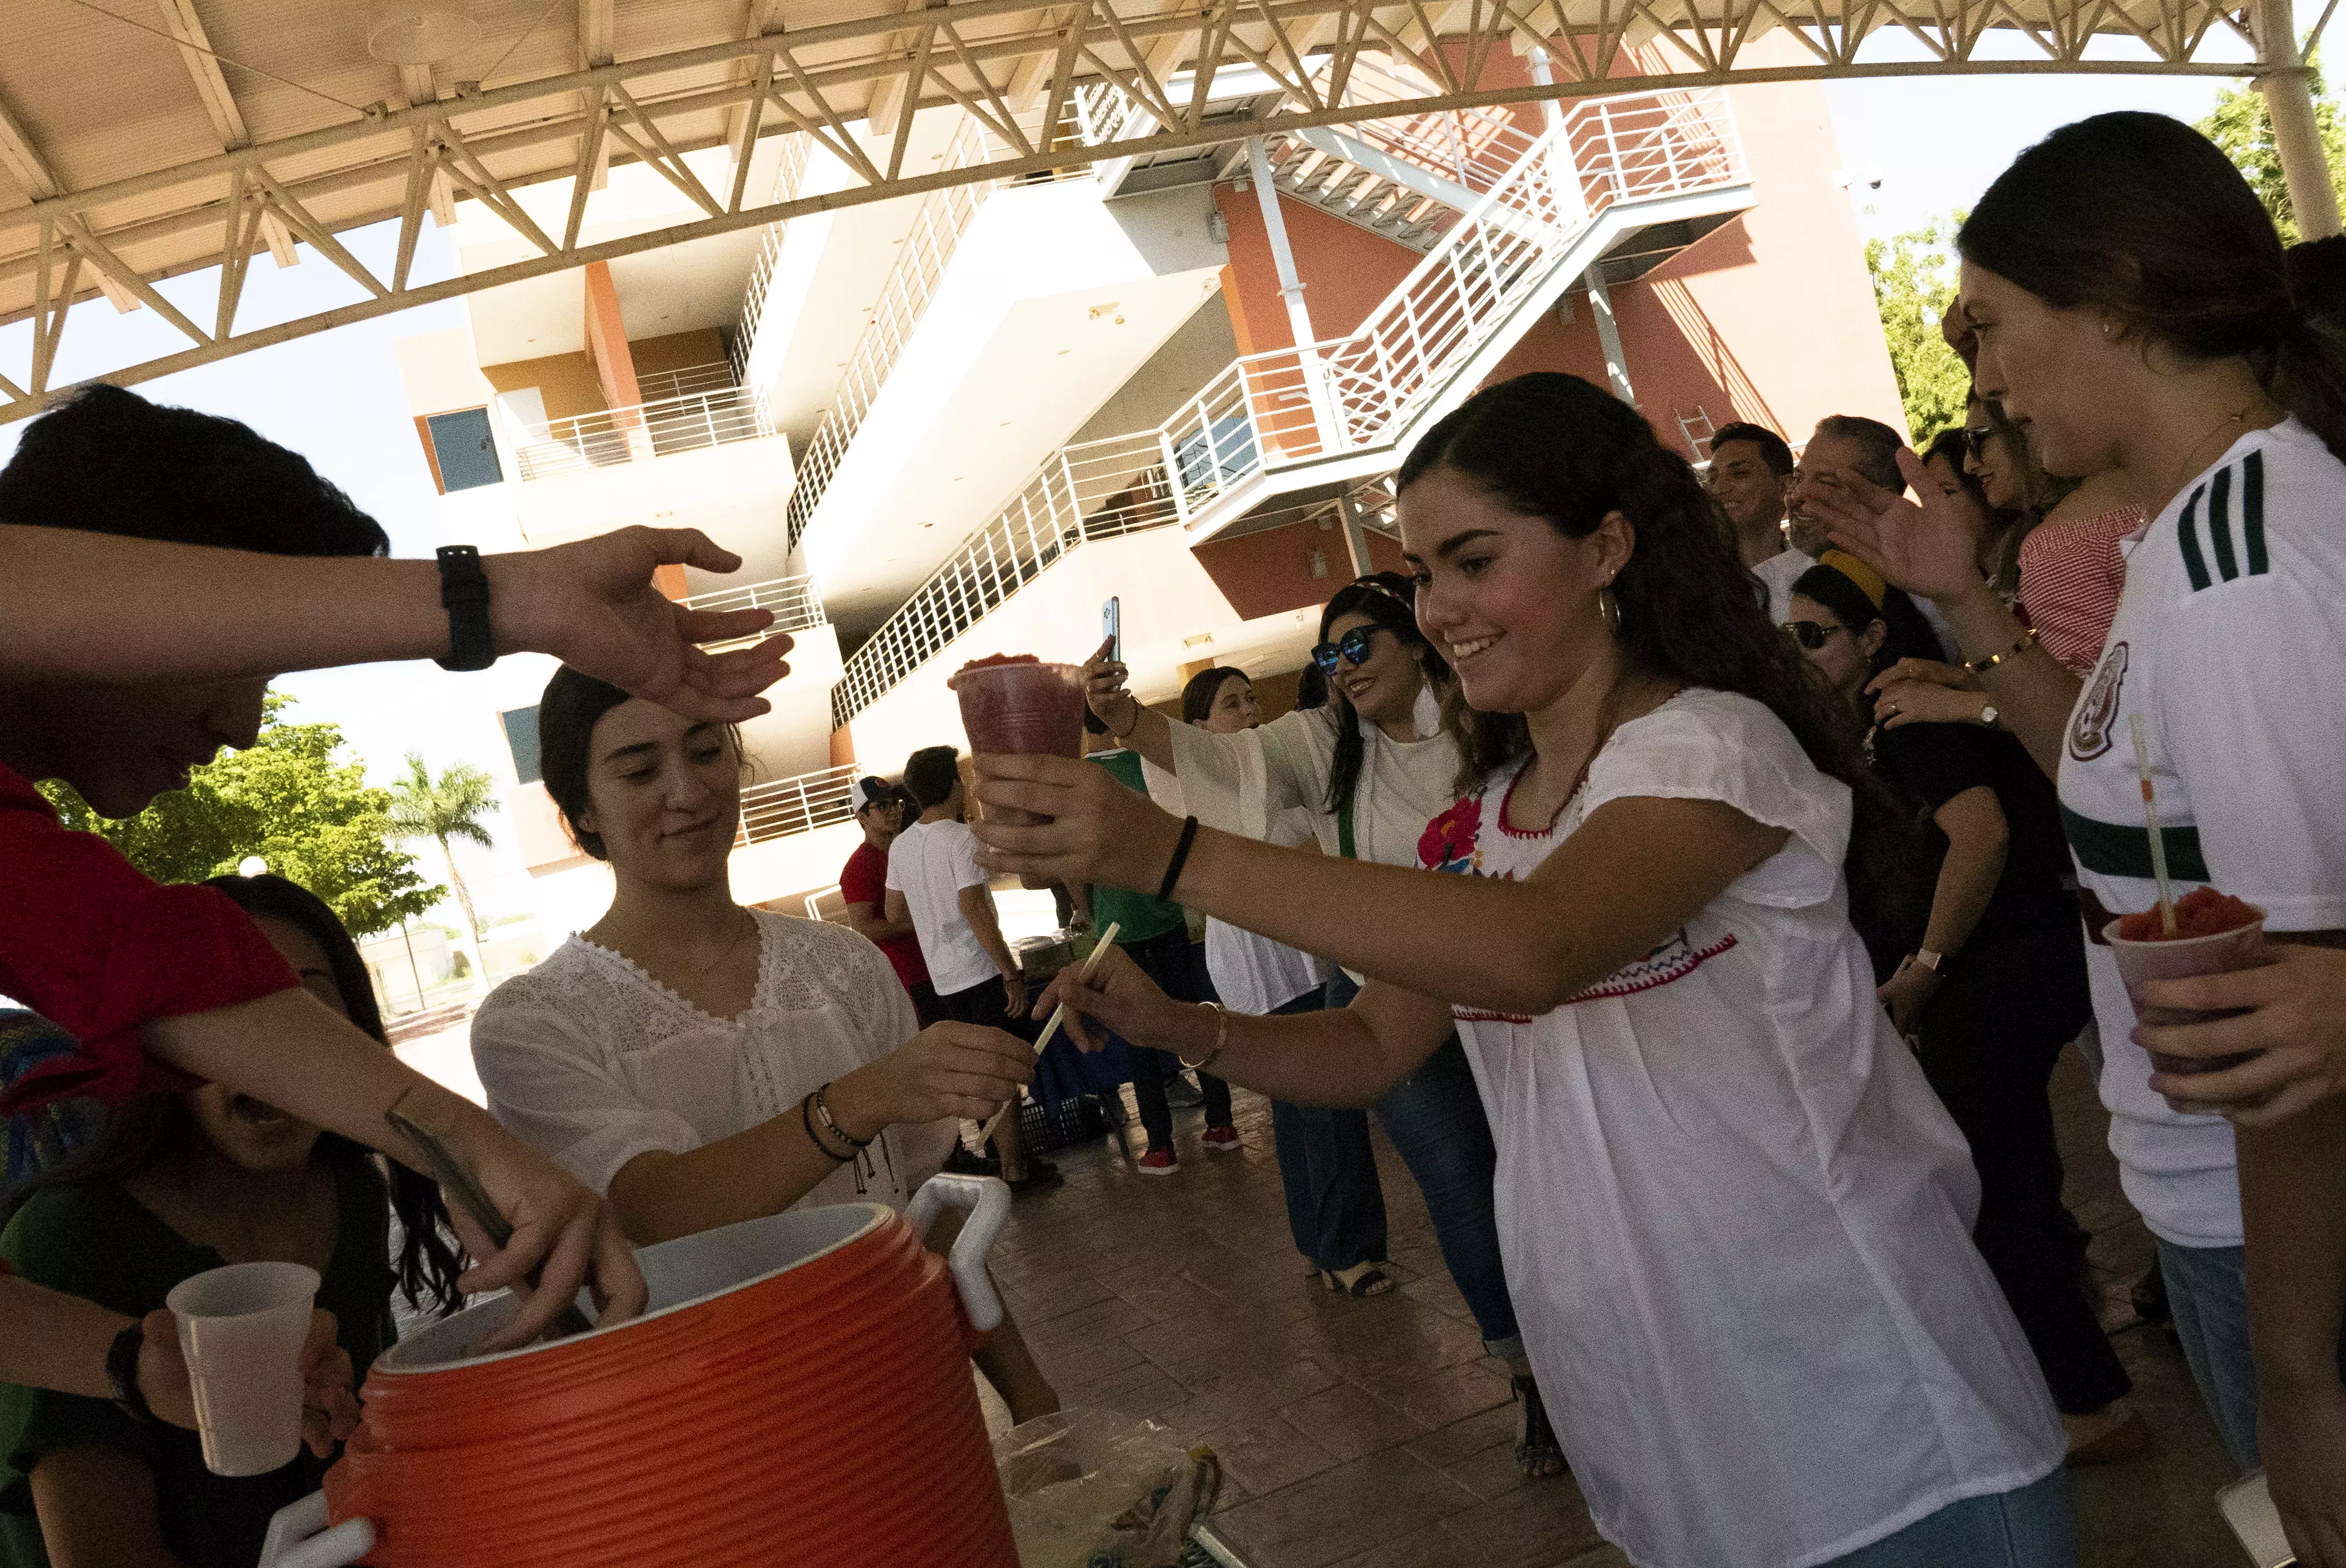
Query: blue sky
(336, 396)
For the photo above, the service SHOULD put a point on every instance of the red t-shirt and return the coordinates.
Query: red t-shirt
(98, 949)
(865, 881)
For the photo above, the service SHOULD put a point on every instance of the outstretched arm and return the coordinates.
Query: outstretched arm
(100, 609)
(1146, 731)
(1617, 888)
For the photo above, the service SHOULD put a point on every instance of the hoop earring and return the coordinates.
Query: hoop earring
(1609, 607)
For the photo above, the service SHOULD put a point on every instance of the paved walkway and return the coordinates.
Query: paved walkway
(1375, 1434)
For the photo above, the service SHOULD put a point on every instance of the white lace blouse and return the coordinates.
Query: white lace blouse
(594, 1061)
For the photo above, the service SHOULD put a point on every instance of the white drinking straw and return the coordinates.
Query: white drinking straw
(2150, 820)
(1058, 1016)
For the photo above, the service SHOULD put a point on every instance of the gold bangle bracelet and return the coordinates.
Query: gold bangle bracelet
(1982, 666)
(1221, 1038)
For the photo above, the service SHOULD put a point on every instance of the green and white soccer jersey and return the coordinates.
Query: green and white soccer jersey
(2229, 642)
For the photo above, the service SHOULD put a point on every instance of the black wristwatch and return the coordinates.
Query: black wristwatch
(122, 1372)
(465, 595)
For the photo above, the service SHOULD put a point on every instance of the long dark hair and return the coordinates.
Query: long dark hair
(157, 1127)
(2141, 216)
(1389, 600)
(1554, 446)
(1904, 633)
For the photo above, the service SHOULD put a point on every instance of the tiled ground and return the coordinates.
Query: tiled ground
(1375, 1433)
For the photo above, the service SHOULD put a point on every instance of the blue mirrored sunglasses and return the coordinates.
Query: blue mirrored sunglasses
(1351, 649)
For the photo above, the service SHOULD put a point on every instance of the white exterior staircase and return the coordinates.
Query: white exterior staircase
(1540, 212)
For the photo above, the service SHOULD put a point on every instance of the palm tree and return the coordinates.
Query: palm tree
(444, 809)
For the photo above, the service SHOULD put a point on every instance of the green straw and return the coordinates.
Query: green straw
(2150, 820)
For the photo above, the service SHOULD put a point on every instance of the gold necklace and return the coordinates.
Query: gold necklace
(2186, 470)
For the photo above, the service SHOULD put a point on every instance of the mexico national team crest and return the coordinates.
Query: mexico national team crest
(2097, 711)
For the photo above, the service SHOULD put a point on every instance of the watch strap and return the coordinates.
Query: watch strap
(1933, 962)
(122, 1374)
(465, 595)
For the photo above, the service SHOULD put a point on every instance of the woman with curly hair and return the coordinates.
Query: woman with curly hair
(1735, 1218)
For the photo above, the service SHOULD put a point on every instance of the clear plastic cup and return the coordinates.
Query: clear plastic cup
(1025, 709)
(241, 1330)
(2139, 963)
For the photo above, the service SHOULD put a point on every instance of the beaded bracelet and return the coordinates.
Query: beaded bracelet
(806, 1120)
(822, 1111)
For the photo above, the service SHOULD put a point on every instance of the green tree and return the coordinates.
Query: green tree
(1914, 281)
(294, 798)
(444, 810)
(2241, 125)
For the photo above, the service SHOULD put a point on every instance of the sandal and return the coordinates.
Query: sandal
(1367, 1279)
(1539, 1454)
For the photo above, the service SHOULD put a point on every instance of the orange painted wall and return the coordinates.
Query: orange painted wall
(1768, 317)
(607, 339)
(1267, 573)
(566, 381)
(677, 351)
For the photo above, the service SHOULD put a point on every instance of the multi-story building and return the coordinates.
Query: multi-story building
(951, 425)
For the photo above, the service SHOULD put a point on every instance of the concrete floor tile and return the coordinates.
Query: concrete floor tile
(1343, 1512)
(1349, 1421)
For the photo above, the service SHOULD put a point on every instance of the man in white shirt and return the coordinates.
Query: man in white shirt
(1751, 466)
(934, 881)
(1842, 442)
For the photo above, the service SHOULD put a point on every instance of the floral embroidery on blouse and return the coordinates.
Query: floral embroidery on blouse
(1449, 840)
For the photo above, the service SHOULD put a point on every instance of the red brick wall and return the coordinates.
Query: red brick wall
(1268, 573)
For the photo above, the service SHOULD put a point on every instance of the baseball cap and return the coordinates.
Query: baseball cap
(873, 791)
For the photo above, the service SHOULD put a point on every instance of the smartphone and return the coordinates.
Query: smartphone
(1112, 627)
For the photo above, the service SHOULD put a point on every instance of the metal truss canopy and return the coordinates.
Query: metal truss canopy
(254, 133)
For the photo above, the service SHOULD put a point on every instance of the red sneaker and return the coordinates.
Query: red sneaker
(1158, 1161)
(1222, 1137)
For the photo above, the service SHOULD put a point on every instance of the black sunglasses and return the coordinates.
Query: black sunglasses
(1811, 634)
(1976, 438)
(1352, 648)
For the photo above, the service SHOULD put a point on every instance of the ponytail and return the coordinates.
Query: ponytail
(2305, 368)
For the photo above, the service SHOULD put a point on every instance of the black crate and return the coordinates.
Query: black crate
(1078, 1120)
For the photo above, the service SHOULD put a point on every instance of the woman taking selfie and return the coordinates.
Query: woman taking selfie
(1736, 1219)
(2137, 315)
(701, 1062)
(1367, 771)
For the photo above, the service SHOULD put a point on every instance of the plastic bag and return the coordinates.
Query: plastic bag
(1091, 1488)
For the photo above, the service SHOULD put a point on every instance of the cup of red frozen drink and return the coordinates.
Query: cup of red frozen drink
(2215, 933)
(1015, 703)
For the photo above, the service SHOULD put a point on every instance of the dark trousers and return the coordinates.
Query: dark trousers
(1435, 1120)
(2013, 997)
(925, 1002)
(1335, 1205)
(1171, 960)
(986, 1005)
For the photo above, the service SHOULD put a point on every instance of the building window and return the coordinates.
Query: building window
(463, 450)
(521, 738)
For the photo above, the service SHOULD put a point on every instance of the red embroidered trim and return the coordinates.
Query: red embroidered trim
(1695, 958)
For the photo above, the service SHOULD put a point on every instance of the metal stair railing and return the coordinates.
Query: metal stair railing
(1295, 405)
(792, 599)
(919, 270)
(797, 805)
(716, 417)
(792, 173)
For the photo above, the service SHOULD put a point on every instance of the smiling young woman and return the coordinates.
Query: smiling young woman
(1732, 1209)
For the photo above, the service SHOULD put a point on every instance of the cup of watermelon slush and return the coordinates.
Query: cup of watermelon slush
(1015, 703)
(2215, 933)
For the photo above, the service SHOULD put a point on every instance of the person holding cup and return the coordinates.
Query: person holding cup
(177, 1194)
(2137, 314)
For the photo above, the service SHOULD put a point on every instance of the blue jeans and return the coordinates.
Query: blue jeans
(1435, 1120)
(2028, 1527)
(2207, 1291)
(1335, 1205)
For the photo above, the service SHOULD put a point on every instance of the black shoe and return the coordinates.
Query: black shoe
(961, 1162)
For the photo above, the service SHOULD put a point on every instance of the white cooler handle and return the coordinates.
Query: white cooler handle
(298, 1537)
(986, 1201)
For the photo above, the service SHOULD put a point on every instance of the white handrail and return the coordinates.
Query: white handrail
(792, 599)
(640, 431)
(1294, 405)
(798, 804)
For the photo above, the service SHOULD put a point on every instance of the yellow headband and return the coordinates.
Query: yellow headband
(1869, 580)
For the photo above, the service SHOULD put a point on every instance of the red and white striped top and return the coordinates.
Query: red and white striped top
(2071, 575)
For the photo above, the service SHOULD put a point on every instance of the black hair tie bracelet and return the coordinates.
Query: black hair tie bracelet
(1181, 859)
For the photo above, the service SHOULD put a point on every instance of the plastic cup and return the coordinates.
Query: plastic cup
(241, 1330)
(2139, 963)
(1025, 709)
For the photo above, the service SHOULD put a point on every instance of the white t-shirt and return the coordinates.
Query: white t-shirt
(1779, 572)
(1254, 974)
(593, 1062)
(1736, 1220)
(930, 863)
(2231, 631)
(1240, 783)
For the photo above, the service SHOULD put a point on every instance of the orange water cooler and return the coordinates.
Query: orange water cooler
(798, 1392)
